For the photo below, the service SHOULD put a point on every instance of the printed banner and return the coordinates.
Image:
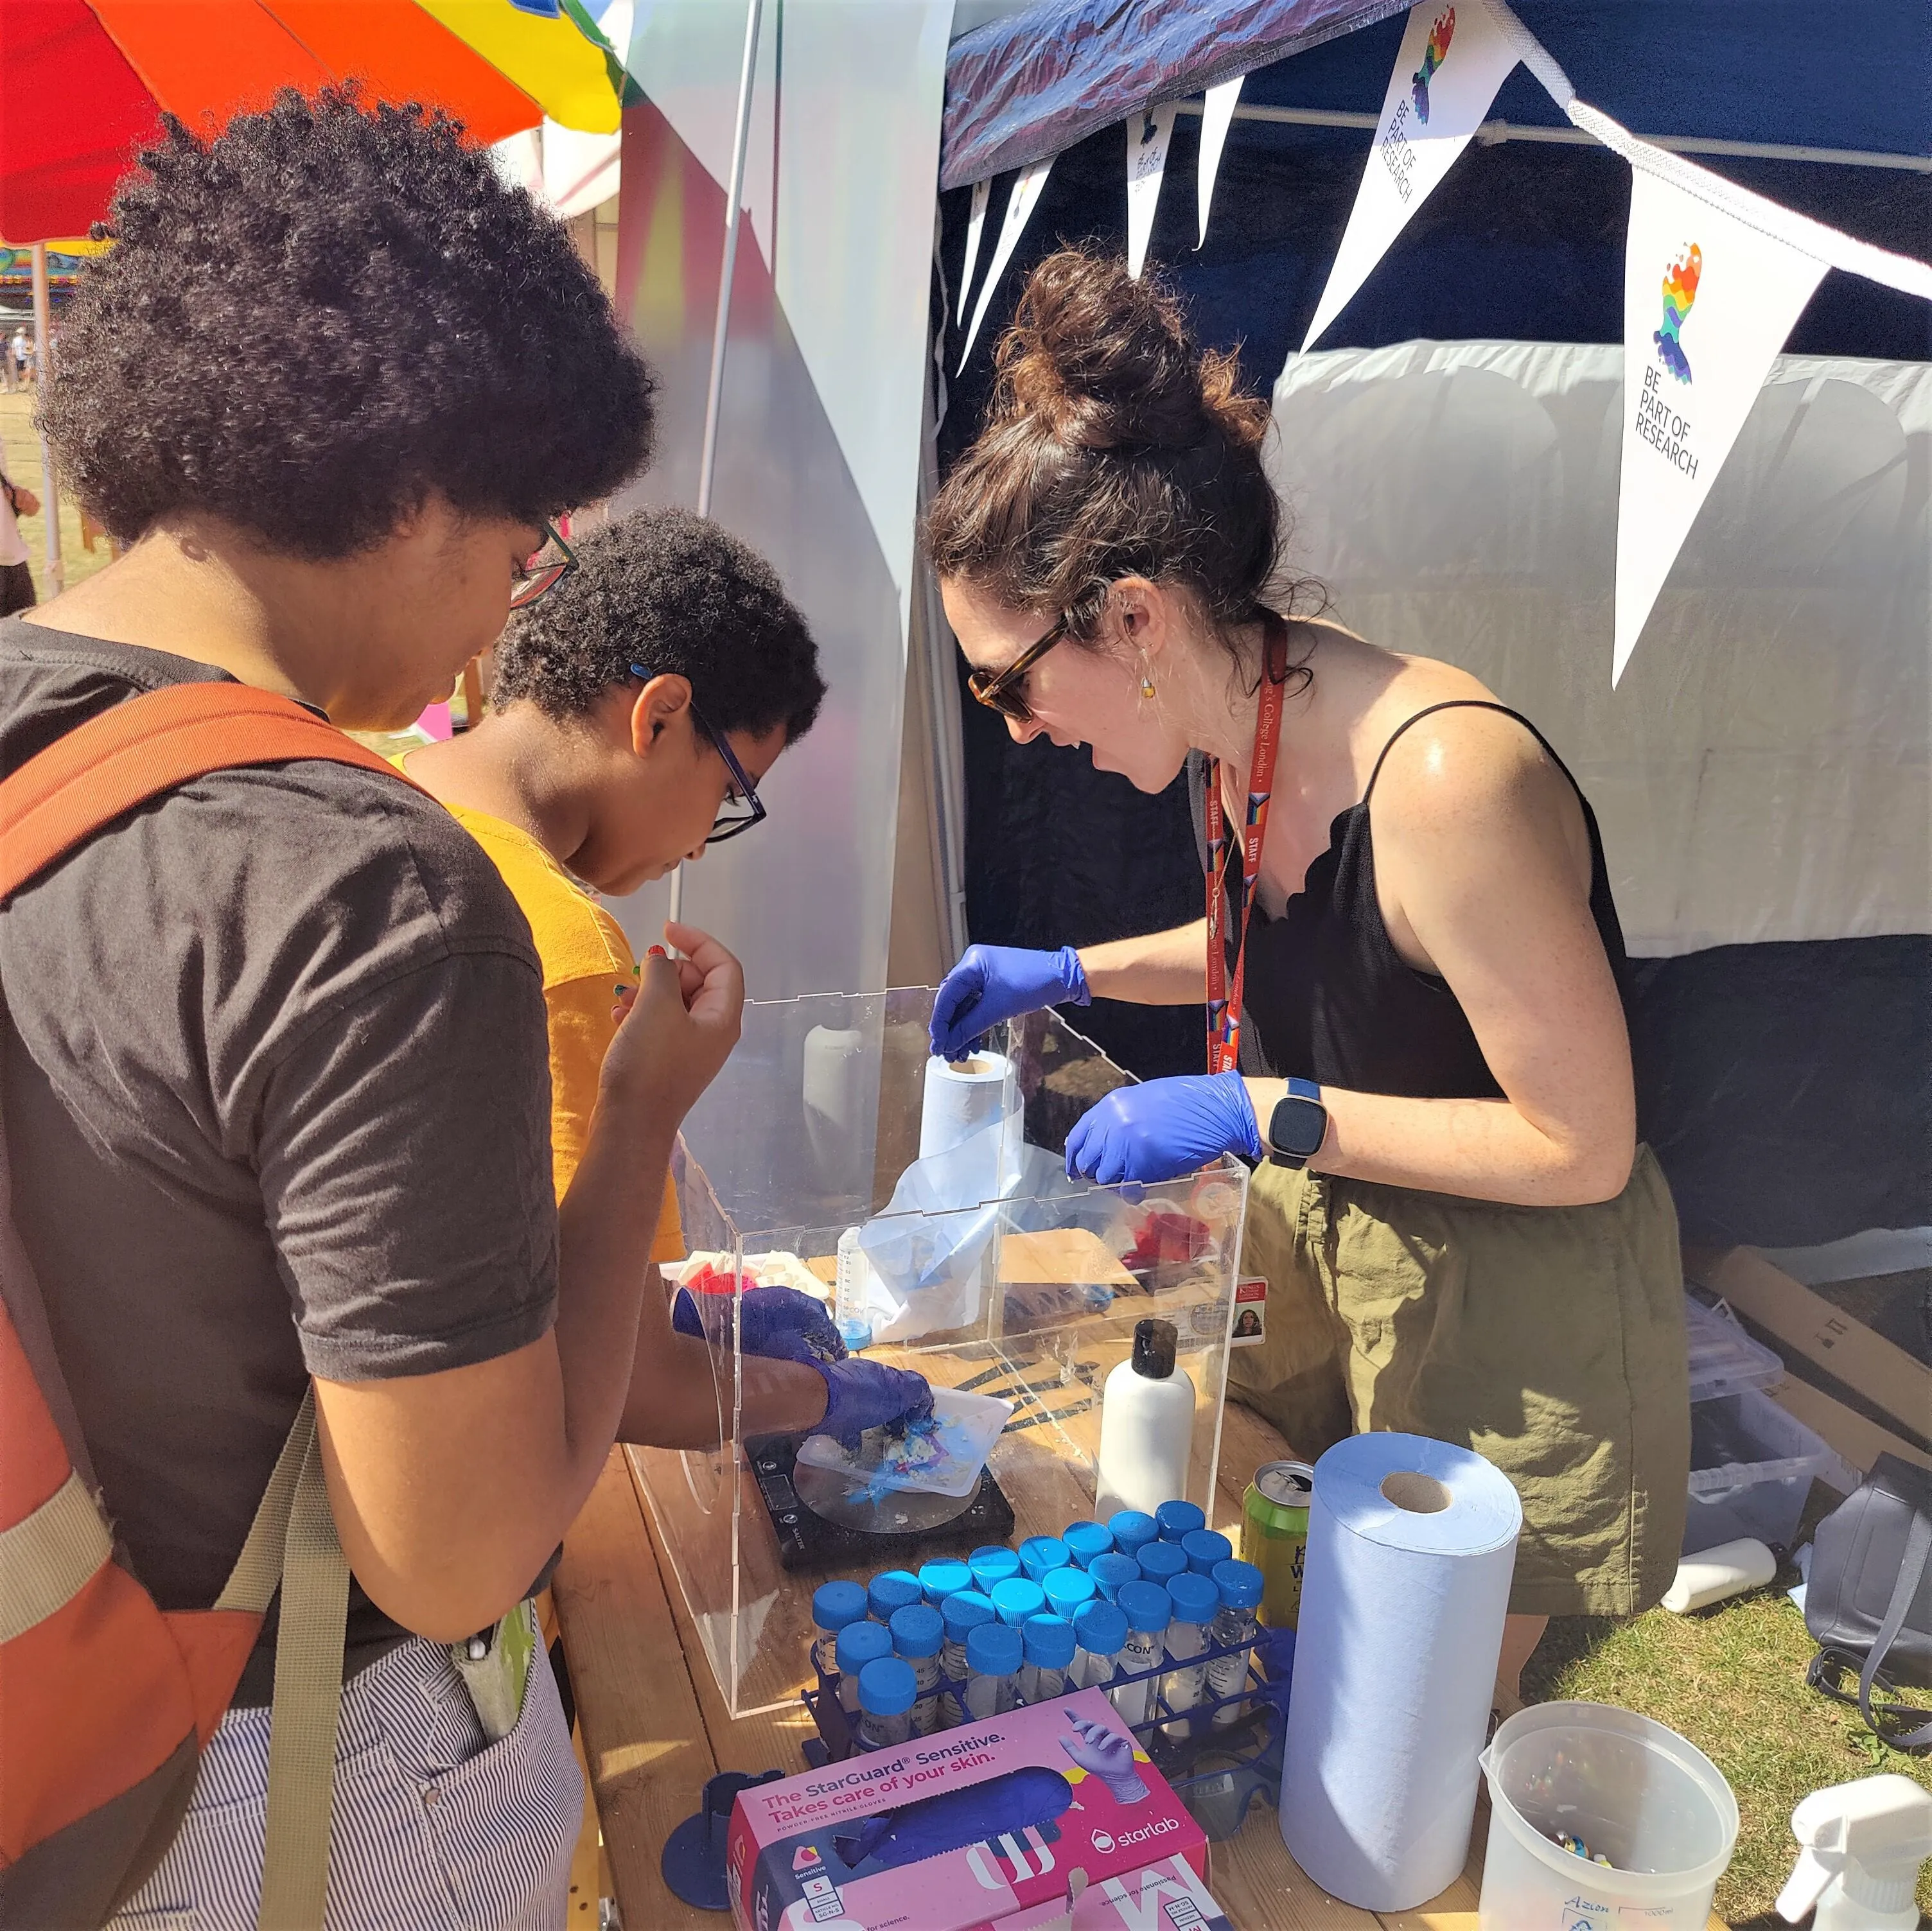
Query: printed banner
(1708, 302)
(975, 223)
(1020, 203)
(1148, 133)
(1216, 114)
(1453, 60)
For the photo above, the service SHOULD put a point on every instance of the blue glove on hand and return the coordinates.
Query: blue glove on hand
(780, 1323)
(994, 982)
(1109, 1755)
(1162, 1129)
(859, 1395)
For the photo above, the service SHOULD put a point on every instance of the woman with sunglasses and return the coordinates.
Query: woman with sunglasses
(1410, 962)
(652, 675)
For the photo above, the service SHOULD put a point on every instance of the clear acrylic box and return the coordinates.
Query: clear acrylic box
(806, 1134)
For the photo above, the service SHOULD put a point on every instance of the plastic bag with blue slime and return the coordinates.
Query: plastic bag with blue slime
(941, 1455)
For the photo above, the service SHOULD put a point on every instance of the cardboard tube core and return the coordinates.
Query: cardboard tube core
(1420, 1495)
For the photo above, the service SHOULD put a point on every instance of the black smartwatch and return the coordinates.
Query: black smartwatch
(1298, 1125)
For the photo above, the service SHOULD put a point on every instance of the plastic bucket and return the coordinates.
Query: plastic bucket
(1629, 1788)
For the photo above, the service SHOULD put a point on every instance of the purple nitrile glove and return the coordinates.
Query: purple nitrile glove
(861, 1394)
(1109, 1755)
(780, 1323)
(994, 982)
(1163, 1129)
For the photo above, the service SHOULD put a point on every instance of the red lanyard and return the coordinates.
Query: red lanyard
(1224, 1010)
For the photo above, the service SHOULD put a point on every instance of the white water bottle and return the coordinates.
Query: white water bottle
(1146, 1425)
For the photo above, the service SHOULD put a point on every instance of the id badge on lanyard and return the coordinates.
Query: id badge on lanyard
(1224, 1002)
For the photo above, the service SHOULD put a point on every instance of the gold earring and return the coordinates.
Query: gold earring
(1146, 686)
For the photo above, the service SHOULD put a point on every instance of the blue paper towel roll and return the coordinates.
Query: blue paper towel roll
(1412, 1544)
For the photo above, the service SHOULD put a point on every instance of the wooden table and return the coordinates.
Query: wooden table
(654, 1727)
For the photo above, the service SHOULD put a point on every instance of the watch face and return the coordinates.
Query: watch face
(1298, 1127)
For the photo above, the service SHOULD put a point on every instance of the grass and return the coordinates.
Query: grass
(1730, 1680)
(22, 449)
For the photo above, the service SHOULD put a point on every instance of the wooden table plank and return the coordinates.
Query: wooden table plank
(643, 1736)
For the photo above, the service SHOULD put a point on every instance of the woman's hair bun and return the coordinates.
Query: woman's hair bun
(1113, 447)
(1105, 362)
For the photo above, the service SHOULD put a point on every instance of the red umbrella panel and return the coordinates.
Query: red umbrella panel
(82, 85)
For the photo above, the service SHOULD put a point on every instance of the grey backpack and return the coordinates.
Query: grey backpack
(1868, 1600)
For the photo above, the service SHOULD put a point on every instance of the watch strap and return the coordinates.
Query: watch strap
(1306, 1093)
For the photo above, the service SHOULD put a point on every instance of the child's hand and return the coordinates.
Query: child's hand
(678, 1027)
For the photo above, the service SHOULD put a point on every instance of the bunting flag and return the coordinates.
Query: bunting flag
(1453, 58)
(1148, 133)
(976, 223)
(1020, 204)
(1217, 112)
(1708, 300)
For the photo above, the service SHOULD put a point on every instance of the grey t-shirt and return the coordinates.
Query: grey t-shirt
(277, 1095)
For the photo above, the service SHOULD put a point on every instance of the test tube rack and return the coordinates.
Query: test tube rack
(1215, 1770)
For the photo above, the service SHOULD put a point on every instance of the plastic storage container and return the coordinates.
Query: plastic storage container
(1032, 1298)
(1724, 1359)
(1751, 1469)
(1630, 1789)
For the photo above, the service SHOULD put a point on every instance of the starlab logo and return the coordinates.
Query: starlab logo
(1440, 35)
(1102, 1841)
(1680, 291)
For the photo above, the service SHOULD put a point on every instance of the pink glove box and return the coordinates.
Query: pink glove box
(978, 1828)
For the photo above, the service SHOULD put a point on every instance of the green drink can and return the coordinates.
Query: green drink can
(1274, 1536)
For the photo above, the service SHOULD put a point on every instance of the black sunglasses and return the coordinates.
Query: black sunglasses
(1002, 690)
(729, 825)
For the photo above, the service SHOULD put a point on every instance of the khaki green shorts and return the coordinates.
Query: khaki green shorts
(1548, 1339)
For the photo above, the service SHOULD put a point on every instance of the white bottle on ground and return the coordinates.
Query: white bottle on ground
(1146, 1425)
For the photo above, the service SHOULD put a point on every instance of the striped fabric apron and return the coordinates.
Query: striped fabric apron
(434, 1827)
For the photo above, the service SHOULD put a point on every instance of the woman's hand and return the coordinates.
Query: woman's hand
(1163, 1129)
(994, 982)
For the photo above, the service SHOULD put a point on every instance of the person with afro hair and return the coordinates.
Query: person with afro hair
(636, 710)
(276, 1060)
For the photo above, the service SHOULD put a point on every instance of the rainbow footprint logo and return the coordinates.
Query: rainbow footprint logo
(1440, 35)
(1680, 291)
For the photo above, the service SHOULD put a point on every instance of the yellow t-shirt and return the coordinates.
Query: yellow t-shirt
(586, 957)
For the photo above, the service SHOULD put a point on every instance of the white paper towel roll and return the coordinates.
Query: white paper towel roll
(962, 1099)
(1412, 1544)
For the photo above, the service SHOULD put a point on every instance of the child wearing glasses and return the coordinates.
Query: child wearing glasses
(642, 694)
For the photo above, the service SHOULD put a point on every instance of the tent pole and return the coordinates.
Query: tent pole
(44, 357)
(714, 394)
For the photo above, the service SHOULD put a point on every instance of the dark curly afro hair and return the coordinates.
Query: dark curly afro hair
(317, 319)
(674, 593)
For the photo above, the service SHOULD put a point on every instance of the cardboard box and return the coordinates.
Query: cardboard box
(975, 1828)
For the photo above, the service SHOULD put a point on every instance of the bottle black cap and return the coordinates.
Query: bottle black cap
(1154, 1348)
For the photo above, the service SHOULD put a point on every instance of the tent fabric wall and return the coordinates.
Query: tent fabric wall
(1787, 73)
(818, 449)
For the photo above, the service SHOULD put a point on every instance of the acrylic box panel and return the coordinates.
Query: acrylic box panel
(1032, 1297)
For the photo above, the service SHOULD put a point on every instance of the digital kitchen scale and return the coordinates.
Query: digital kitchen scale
(822, 1520)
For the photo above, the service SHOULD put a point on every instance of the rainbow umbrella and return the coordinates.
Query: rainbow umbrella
(83, 82)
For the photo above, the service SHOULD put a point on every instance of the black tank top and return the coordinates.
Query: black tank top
(1329, 998)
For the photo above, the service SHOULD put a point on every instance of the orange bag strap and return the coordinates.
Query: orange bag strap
(103, 769)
